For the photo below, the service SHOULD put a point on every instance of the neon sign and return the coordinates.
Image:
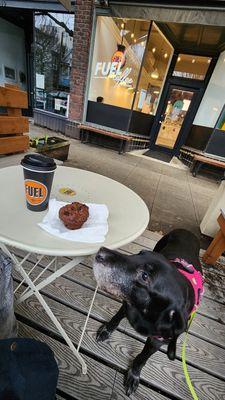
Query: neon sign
(113, 70)
(106, 69)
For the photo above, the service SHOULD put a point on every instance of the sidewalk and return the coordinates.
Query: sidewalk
(175, 199)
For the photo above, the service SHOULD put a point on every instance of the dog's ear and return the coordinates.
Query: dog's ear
(171, 323)
(178, 322)
(178, 326)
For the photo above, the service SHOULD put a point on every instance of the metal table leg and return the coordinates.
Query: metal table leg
(193, 167)
(34, 289)
(122, 146)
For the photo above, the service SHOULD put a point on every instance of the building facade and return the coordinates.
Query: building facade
(36, 48)
(153, 71)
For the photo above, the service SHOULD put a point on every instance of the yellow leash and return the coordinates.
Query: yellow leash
(184, 362)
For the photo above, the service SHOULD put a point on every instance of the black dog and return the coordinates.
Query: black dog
(157, 298)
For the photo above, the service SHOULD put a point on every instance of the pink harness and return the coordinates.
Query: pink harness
(195, 278)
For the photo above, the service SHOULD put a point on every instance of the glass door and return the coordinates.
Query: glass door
(174, 118)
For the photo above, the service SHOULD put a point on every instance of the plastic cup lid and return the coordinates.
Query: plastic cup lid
(38, 162)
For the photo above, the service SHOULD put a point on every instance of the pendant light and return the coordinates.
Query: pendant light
(155, 74)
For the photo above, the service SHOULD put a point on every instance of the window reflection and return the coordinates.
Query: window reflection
(221, 121)
(53, 59)
(191, 66)
(153, 73)
(118, 52)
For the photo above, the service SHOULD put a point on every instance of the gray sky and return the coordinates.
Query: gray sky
(68, 19)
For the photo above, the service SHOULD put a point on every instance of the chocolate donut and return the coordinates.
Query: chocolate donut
(74, 215)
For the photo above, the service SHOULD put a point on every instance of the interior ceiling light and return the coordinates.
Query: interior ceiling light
(143, 43)
(122, 25)
(135, 40)
(193, 61)
(155, 74)
(154, 50)
(209, 60)
(132, 35)
(165, 55)
(179, 59)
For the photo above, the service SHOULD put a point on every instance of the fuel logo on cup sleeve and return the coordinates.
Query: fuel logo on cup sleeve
(36, 192)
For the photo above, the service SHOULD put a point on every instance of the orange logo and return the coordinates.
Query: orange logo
(36, 192)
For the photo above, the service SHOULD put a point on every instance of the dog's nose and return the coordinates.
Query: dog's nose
(101, 254)
(99, 258)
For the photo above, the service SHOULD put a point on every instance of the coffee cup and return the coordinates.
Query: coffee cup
(38, 176)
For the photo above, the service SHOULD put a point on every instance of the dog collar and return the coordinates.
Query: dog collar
(194, 277)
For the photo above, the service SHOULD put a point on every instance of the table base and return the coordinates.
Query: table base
(34, 289)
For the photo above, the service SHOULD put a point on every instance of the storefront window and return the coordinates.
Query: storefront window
(153, 73)
(192, 67)
(53, 57)
(118, 52)
(213, 99)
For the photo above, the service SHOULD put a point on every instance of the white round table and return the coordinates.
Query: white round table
(128, 214)
(128, 218)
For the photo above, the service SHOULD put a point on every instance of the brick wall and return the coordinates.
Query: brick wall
(81, 47)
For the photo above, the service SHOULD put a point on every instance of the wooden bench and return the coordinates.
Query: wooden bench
(86, 130)
(130, 141)
(12, 123)
(199, 161)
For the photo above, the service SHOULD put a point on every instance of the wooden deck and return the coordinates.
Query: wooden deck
(69, 298)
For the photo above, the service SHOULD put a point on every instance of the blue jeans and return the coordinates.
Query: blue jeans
(28, 370)
(8, 324)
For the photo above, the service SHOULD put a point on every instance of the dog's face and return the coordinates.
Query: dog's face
(149, 284)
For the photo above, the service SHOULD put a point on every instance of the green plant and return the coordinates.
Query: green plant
(34, 141)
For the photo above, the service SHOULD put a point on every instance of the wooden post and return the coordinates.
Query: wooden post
(217, 246)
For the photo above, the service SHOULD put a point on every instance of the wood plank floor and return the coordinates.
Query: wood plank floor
(69, 298)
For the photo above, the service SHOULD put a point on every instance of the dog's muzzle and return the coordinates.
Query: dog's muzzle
(107, 274)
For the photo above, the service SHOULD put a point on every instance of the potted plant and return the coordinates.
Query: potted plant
(52, 146)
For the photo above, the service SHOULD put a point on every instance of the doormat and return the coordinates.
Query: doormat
(158, 155)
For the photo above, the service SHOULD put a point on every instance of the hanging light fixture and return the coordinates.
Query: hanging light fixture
(179, 59)
(165, 55)
(135, 40)
(133, 32)
(193, 61)
(154, 50)
(155, 74)
(119, 56)
(122, 25)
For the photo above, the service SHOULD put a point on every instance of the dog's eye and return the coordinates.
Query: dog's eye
(144, 276)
